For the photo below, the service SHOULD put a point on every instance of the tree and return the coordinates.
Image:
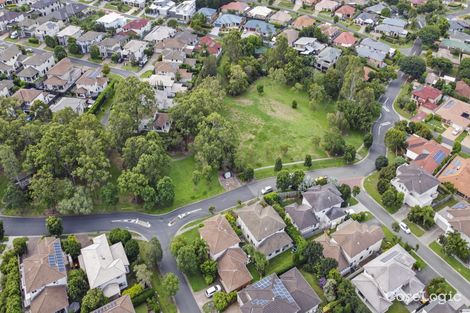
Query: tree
(338, 120)
(77, 285)
(60, 53)
(349, 154)
(325, 265)
(106, 69)
(260, 89)
(95, 52)
(9, 162)
(395, 139)
(454, 244)
(232, 46)
(132, 182)
(41, 111)
(283, 180)
(392, 199)
(442, 65)
(381, 162)
(165, 191)
(119, 235)
(72, 45)
(72, 246)
(278, 165)
(332, 82)
(209, 271)
(216, 144)
(386, 12)
(79, 203)
(223, 300)
(413, 66)
(312, 252)
(345, 192)
(20, 245)
(237, 81)
(429, 34)
(317, 95)
(132, 250)
(368, 139)
(308, 161)
(14, 197)
(109, 194)
(50, 41)
(260, 262)
(93, 299)
(171, 284)
(296, 179)
(154, 253)
(464, 68)
(423, 216)
(186, 260)
(439, 286)
(334, 143)
(2, 231)
(54, 226)
(143, 275)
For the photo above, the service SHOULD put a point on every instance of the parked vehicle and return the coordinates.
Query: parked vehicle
(405, 228)
(14, 34)
(267, 190)
(211, 290)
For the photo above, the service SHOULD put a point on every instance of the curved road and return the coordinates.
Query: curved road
(159, 224)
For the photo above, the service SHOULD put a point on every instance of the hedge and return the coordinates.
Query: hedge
(142, 298)
(102, 98)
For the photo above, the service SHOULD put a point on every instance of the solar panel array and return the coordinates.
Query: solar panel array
(389, 256)
(57, 259)
(277, 287)
(439, 156)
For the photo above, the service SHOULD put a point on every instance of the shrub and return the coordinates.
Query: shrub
(33, 40)
(223, 300)
(395, 227)
(381, 162)
(142, 298)
(272, 198)
(134, 290)
(102, 98)
(294, 104)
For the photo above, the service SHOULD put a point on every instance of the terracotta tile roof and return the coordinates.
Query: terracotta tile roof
(55, 81)
(303, 21)
(27, 95)
(51, 299)
(218, 234)
(120, 305)
(332, 250)
(38, 272)
(212, 46)
(62, 67)
(459, 219)
(232, 269)
(166, 67)
(136, 24)
(235, 6)
(430, 153)
(346, 39)
(462, 89)
(426, 93)
(458, 173)
(346, 10)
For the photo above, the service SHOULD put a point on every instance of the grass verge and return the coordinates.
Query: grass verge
(452, 261)
(415, 229)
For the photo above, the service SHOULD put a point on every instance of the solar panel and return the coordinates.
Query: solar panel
(389, 256)
(439, 156)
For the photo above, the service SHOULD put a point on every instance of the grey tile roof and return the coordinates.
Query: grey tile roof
(366, 52)
(302, 215)
(68, 11)
(28, 72)
(6, 84)
(9, 53)
(261, 221)
(376, 8)
(368, 16)
(42, 4)
(274, 242)
(37, 59)
(300, 290)
(376, 45)
(90, 35)
(329, 54)
(323, 197)
(415, 179)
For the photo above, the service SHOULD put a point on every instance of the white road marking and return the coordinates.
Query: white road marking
(134, 221)
(386, 109)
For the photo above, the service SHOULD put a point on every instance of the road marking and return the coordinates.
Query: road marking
(134, 221)
(386, 109)
(383, 124)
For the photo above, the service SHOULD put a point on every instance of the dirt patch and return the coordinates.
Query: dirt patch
(116, 159)
(244, 101)
(281, 111)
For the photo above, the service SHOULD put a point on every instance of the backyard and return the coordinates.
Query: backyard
(270, 128)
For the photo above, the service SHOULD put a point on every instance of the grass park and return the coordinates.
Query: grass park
(270, 128)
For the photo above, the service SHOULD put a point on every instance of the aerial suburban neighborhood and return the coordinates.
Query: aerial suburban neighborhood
(269, 156)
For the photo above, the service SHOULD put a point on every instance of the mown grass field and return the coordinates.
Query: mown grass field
(270, 128)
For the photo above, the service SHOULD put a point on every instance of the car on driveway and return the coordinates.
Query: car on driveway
(405, 228)
(267, 190)
(211, 290)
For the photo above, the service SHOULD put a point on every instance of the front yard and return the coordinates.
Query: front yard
(370, 185)
(415, 229)
(270, 128)
(452, 261)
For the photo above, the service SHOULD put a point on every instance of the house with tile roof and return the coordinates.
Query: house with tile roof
(264, 229)
(427, 98)
(209, 45)
(387, 277)
(68, 32)
(68, 11)
(105, 266)
(326, 6)
(209, 13)
(366, 18)
(374, 51)
(425, 154)
(327, 58)
(160, 33)
(351, 244)
(120, 305)
(291, 34)
(48, 28)
(111, 45)
(260, 12)
(455, 113)
(455, 219)
(62, 76)
(91, 83)
(303, 21)
(280, 18)
(329, 30)
(457, 173)
(418, 186)
(235, 7)
(228, 22)
(89, 39)
(6, 86)
(259, 27)
(288, 293)
(36, 66)
(462, 89)
(43, 268)
(139, 26)
(345, 12)
(345, 40)
(27, 97)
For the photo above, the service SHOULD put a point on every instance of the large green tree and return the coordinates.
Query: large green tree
(93, 299)
(413, 66)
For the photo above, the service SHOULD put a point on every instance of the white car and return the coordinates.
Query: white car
(211, 290)
(405, 228)
(267, 190)
(14, 35)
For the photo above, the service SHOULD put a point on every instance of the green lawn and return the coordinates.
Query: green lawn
(436, 125)
(146, 74)
(370, 185)
(312, 280)
(141, 308)
(461, 136)
(403, 91)
(181, 172)
(254, 273)
(3, 185)
(458, 267)
(270, 128)
(281, 263)
(130, 67)
(415, 229)
(397, 307)
(269, 172)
